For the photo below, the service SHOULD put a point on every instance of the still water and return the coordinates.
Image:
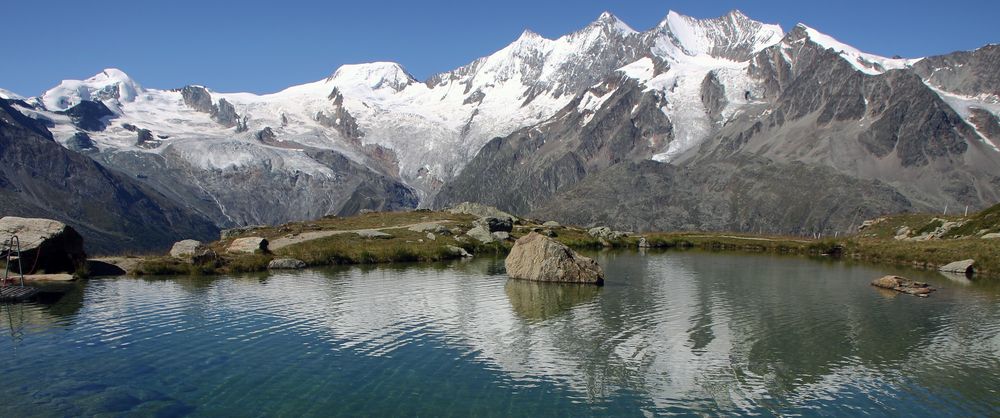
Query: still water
(685, 333)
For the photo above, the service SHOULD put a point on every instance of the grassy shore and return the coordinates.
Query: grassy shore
(338, 242)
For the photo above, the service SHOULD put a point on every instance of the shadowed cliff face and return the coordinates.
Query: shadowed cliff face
(40, 178)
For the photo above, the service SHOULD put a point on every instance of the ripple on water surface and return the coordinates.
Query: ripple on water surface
(687, 333)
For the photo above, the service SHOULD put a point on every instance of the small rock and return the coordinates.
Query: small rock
(248, 245)
(501, 236)
(903, 285)
(643, 243)
(551, 224)
(373, 234)
(993, 235)
(286, 264)
(960, 267)
(431, 236)
(459, 251)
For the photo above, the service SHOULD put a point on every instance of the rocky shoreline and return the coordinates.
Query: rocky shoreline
(469, 230)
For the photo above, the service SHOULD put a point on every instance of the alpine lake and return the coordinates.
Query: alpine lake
(670, 333)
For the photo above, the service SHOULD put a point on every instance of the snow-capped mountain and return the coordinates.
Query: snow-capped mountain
(370, 136)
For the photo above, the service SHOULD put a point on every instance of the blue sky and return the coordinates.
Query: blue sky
(264, 46)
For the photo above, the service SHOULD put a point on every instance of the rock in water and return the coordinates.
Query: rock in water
(960, 267)
(248, 245)
(286, 264)
(537, 257)
(904, 285)
(46, 245)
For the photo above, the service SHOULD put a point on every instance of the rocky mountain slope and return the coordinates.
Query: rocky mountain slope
(40, 178)
(724, 123)
(806, 135)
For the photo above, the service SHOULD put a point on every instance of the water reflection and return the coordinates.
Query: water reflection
(535, 301)
(670, 332)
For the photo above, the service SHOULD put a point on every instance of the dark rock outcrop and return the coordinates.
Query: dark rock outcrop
(197, 98)
(89, 116)
(46, 245)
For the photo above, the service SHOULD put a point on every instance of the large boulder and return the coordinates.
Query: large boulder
(194, 252)
(959, 267)
(248, 245)
(46, 245)
(540, 258)
(186, 248)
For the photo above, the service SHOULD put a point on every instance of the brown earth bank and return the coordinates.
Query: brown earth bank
(915, 240)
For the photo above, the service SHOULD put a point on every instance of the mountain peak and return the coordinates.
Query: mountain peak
(610, 21)
(374, 75)
(109, 85)
(733, 36)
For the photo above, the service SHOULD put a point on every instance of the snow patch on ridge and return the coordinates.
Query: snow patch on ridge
(864, 62)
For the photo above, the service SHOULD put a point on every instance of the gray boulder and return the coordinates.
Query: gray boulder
(286, 264)
(193, 252)
(960, 267)
(186, 248)
(643, 243)
(248, 245)
(539, 258)
(993, 235)
(480, 234)
(501, 235)
(551, 224)
(46, 245)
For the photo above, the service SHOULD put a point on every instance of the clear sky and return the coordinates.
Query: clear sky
(265, 46)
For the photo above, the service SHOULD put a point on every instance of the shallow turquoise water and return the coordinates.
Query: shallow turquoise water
(671, 333)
